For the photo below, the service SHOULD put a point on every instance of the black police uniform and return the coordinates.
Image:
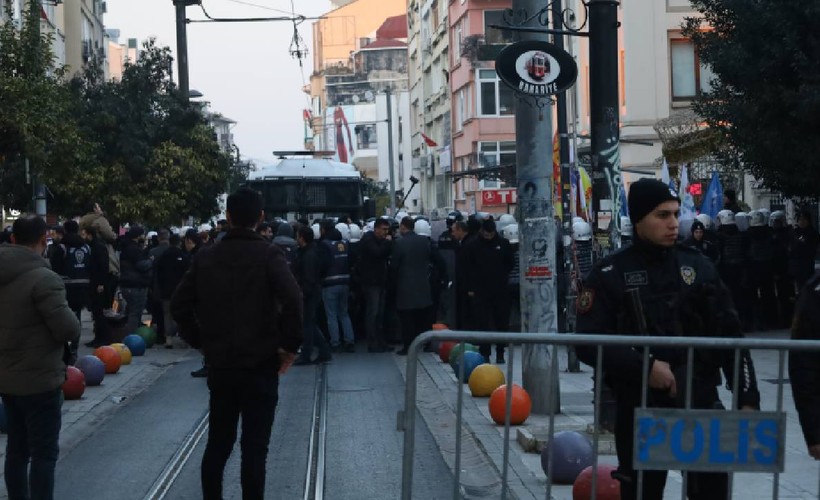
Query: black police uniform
(804, 366)
(681, 294)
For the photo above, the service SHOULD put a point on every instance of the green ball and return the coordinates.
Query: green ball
(148, 334)
(457, 350)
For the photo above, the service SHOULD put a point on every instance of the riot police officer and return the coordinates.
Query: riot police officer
(732, 245)
(760, 270)
(680, 293)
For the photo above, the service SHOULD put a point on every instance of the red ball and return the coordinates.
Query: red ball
(444, 349)
(606, 487)
(74, 385)
(110, 357)
(520, 406)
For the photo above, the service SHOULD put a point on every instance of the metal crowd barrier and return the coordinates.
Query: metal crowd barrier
(407, 417)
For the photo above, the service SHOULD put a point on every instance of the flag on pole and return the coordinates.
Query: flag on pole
(430, 142)
(624, 208)
(665, 178)
(687, 207)
(713, 199)
(585, 194)
(556, 176)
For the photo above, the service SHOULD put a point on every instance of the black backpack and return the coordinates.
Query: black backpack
(76, 270)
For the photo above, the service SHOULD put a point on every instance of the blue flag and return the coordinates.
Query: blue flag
(624, 208)
(713, 199)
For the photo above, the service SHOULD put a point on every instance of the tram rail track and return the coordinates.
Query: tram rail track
(315, 474)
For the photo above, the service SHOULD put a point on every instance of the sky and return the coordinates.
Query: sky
(244, 70)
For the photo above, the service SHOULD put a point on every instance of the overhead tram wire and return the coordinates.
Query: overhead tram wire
(251, 4)
(211, 19)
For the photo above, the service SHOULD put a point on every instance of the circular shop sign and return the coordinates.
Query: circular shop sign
(536, 68)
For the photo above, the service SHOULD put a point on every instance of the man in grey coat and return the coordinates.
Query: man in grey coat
(411, 262)
(35, 325)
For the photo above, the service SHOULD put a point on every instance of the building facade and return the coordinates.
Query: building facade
(85, 40)
(430, 104)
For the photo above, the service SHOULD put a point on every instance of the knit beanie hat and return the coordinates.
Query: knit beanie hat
(698, 225)
(645, 195)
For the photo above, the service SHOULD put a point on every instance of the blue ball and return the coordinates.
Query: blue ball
(571, 454)
(135, 344)
(471, 360)
(92, 368)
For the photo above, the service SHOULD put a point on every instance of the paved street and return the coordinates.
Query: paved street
(121, 436)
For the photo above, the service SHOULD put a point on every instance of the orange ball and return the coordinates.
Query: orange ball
(444, 349)
(440, 326)
(520, 407)
(110, 357)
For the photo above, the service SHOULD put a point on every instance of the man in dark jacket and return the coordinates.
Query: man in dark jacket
(680, 294)
(308, 272)
(135, 276)
(154, 302)
(98, 280)
(35, 324)
(240, 305)
(488, 261)
(374, 252)
(410, 260)
(804, 366)
(170, 268)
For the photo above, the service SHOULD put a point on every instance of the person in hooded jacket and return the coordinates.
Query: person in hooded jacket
(699, 241)
(35, 325)
(284, 240)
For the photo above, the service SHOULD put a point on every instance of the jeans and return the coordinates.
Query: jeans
(253, 395)
(335, 298)
(374, 315)
(33, 446)
(135, 299)
(311, 333)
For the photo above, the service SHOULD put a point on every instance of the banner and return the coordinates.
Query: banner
(556, 176)
(713, 199)
(687, 206)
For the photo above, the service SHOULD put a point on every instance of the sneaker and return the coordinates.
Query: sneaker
(202, 372)
(348, 348)
(499, 358)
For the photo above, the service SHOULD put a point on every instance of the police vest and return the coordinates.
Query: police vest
(338, 271)
(76, 265)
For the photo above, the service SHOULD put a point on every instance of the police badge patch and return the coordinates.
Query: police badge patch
(688, 274)
(584, 301)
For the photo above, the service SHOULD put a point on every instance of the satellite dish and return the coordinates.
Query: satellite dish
(369, 96)
(355, 99)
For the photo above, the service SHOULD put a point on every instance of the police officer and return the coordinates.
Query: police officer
(760, 270)
(732, 248)
(680, 294)
(699, 241)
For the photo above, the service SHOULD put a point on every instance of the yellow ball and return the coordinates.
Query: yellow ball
(125, 353)
(485, 379)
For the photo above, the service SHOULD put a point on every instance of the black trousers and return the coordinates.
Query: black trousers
(414, 322)
(491, 314)
(253, 395)
(700, 485)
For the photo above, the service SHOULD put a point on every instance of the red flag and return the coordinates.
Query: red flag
(428, 141)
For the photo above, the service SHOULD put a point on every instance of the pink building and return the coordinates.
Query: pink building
(483, 109)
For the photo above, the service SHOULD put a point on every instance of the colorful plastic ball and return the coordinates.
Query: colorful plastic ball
(125, 353)
(444, 349)
(148, 334)
(606, 488)
(571, 453)
(520, 407)
(456, 351)
(471, 360)
(92, 368)
(485, 379)
(135, 344)
(74, 385)
(110, 357)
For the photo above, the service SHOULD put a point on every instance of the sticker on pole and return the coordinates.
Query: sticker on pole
(709, 440)
(536, 68)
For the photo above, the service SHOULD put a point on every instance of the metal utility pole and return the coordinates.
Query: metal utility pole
(182, 45)
(604, 112)
(533, 146)
(389, 102)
